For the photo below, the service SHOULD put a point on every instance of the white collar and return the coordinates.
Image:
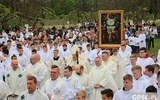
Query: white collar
(33, 92)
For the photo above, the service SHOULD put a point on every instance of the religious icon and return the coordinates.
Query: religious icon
(110, 28)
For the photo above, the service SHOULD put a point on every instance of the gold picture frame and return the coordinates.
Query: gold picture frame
(111, 23)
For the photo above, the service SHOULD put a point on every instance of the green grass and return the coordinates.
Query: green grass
(156, 47)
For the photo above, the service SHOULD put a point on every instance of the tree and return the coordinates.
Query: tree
(32, 11)
(69, 6)
(6, 16)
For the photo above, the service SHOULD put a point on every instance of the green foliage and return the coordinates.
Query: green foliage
(8, 19)
(73, 10)
(15, 20)
(58, 9)
(4, 11)
(72, 16)
(58, 6)
(69, 6)
(48, 13)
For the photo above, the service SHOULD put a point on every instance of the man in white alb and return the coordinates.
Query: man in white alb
(150, 75)
(140, 82)
(16, 80)
(143, 60)
(3, 90)
(57, 60)
(128, 48)
(72, 82)
(109, 63)
(102, 79)
(142, 39)
(65, 53)
(125, 54)
(120, 67)
(133, 59)
(35, 69)
(55, 87)
(45, 55)
(46, 71)
(126, 92)
(88, 53)
(86, 81)
(32, 93)
(23, 60)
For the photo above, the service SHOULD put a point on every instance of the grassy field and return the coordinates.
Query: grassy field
(156, 47)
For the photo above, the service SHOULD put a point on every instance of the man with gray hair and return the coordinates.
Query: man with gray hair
(36, 69)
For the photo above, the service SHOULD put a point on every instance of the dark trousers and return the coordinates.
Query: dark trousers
(133, 48)
(159, 35)
(136, 49)
(148, 43)
(151, 42)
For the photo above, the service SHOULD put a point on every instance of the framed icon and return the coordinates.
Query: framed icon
(111, 23)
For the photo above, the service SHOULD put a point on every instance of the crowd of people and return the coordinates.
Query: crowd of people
(142, 36)
(68, 64)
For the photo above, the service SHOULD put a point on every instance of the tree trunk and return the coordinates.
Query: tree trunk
(35, 22)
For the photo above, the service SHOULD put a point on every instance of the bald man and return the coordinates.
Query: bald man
(86, 82)
(16, 80)
(36, 69)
